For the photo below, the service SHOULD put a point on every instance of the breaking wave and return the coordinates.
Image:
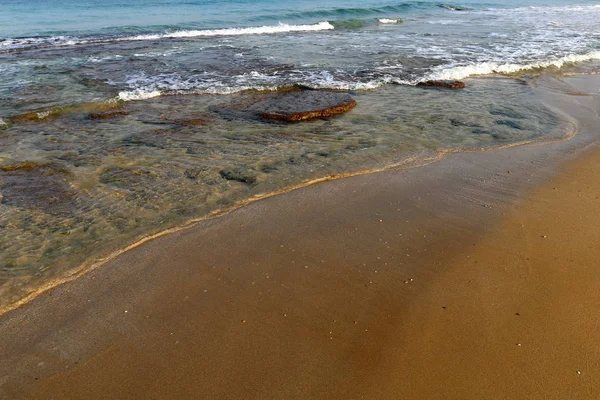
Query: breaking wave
(493, 68)
(24, 43)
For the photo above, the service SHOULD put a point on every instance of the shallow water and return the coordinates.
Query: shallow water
(96, 185)
(74, 189)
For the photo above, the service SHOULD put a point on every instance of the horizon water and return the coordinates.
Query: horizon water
(75, 189)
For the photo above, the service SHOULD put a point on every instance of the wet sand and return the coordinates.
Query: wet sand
(474, 277)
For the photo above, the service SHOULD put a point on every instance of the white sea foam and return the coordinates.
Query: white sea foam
(389, 21)
(43, 114)
(138, 94)
(9, 44)
(280, 28)
(144, 86)
(490, 68)
(445, 22)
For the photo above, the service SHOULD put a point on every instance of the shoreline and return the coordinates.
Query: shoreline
(405, 164)
(439, 201)
(85, 268)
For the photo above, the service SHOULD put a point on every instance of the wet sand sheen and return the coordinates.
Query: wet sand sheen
(397, 284)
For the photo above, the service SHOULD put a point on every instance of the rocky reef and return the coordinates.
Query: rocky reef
(288, 105)
(443, 84)
(108, 114)
(303, 105)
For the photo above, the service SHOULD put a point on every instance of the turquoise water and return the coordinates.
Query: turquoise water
(141, 49)
(33, 18)
(74, 189)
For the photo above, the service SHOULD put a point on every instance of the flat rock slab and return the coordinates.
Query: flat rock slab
(108, 114)
(303, 105)
(443, 84)
(36, 186)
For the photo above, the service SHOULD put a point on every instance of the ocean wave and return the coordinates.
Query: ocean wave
(350, 11)
(454, 7)
(493, 68)
(23, 43)
(143, 87)
(138, 94)
(280, 28)
(389, 21)
(349, 23)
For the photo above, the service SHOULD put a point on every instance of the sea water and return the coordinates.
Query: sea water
(74, 189)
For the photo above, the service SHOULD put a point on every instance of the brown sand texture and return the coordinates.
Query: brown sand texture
(475, 277)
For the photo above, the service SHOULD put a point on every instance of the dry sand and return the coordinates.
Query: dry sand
(476, 277)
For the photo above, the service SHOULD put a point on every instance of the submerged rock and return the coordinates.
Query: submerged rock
(108, 114)
(188, 119)
(507, 112)
(290, 105)
(303, 105)
(35, 116)
(239, 175)
(509, 123)
(443, 84)
(30, 185)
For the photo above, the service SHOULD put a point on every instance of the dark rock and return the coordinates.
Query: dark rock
(290, 105)
(195, 173)
(443, 84)
(458, 122)
(268, 168)
(302, 105)
(239, 175)
(108, 114)
(126, 178)
(39, 186)
(507, 112)
(138, 185)
(510, 124)
(34, 116)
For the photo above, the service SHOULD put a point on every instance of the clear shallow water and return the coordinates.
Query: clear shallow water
(73, 189)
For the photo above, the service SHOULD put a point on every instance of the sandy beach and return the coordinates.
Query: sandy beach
(474, 277)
